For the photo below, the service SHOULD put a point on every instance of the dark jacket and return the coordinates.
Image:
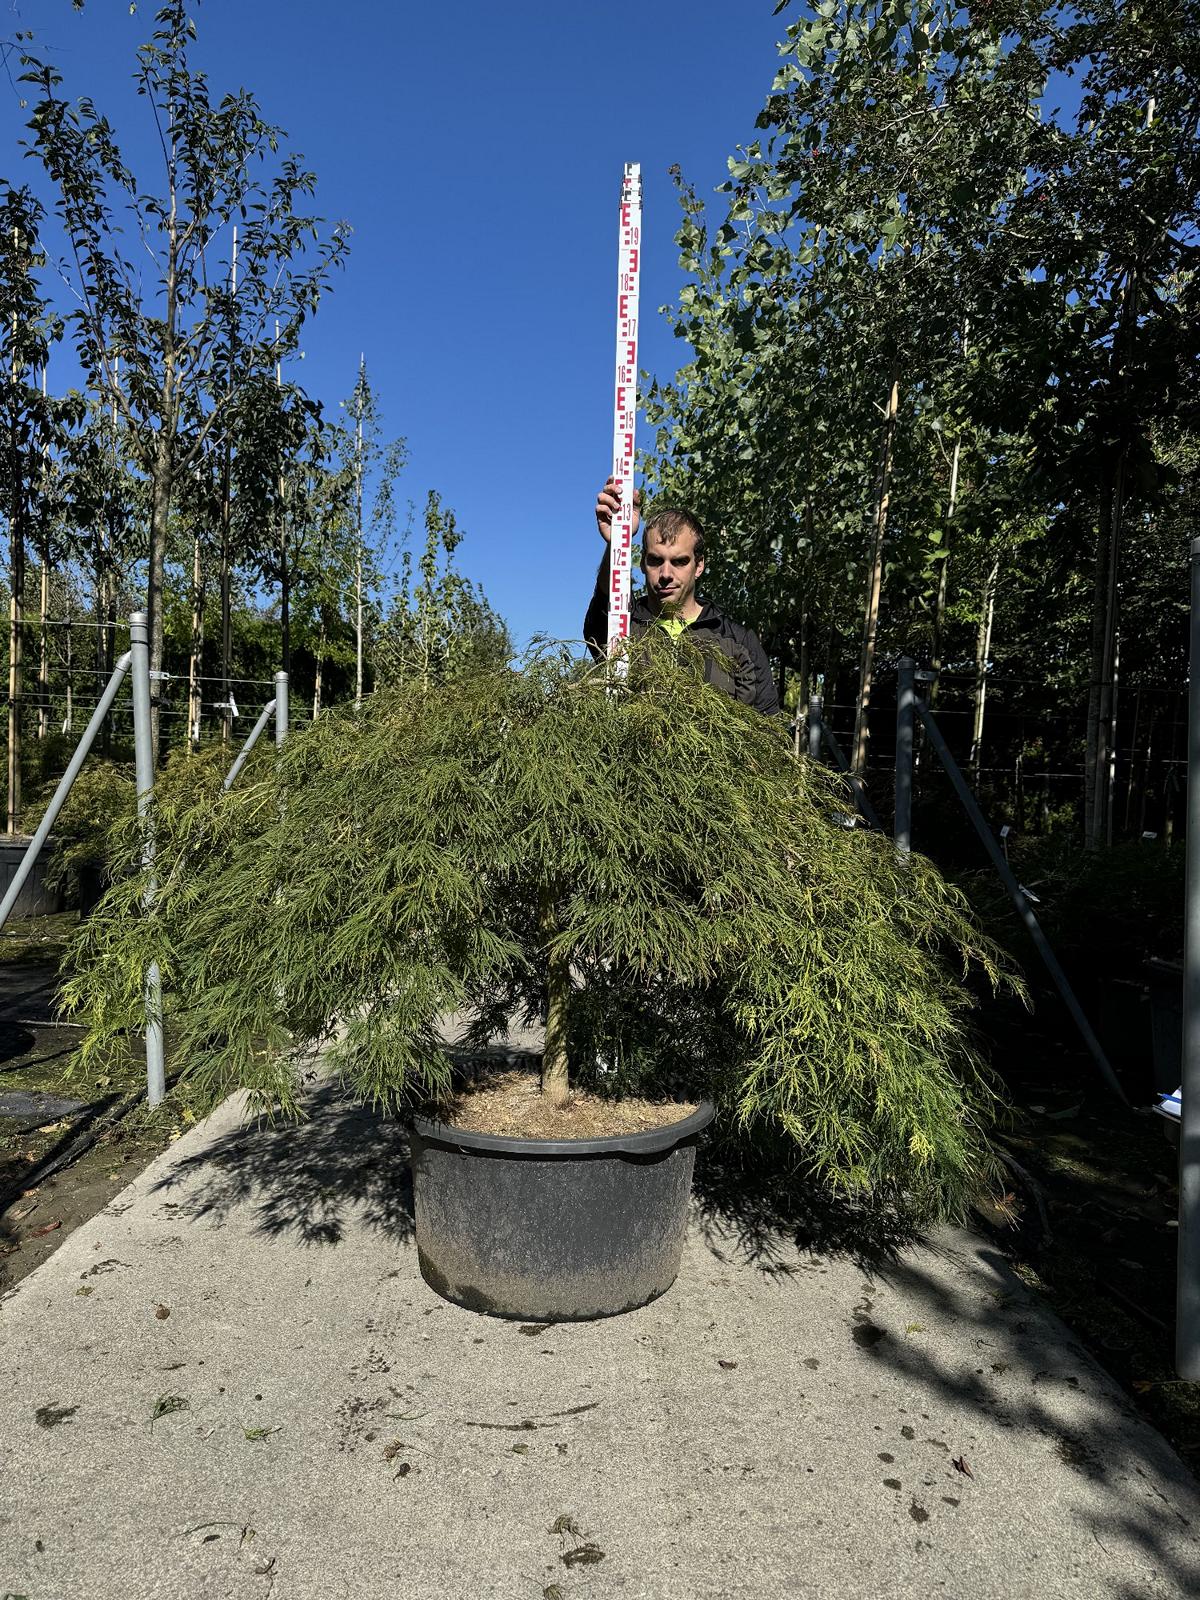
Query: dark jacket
(733, 658)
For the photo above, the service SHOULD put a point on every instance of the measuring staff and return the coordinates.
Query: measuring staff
(673, 555)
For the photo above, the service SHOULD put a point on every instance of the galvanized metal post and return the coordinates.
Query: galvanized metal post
(264, 716)
(862, 798)
(814, 728)
(64, 788)
(905, 706)
(1187, 1291)
(143, 755)
(281, 709)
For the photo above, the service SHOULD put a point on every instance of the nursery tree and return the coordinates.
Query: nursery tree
(32, 426)
(440, 622)
(169, 327)
(697, 917)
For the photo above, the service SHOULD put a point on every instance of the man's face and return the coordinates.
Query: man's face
(672, 568)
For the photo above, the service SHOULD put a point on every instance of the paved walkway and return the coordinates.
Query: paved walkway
(233, 1382)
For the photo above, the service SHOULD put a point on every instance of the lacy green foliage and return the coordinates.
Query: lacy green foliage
(91, 831)
(101, 795)
(726, 935)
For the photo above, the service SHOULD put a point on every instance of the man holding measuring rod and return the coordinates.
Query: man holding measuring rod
(672, 565)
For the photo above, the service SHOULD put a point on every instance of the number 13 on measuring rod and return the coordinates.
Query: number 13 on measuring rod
(629, 263)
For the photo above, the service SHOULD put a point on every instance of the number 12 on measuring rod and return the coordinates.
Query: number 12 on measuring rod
(629, 263)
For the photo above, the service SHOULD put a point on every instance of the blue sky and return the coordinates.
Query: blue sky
(477, 152)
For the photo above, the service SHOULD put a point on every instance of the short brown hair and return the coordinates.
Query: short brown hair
(670, 522)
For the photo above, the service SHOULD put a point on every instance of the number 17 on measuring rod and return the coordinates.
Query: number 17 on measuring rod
(629, 263)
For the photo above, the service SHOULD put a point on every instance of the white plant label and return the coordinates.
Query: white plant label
(629, 262)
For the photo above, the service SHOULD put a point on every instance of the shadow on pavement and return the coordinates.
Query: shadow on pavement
(999, 1335)
(307, 1178)
(750, 1199)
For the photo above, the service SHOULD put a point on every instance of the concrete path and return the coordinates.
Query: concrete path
(233, 1382)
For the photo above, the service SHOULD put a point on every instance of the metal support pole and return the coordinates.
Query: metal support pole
(64, 788)
(143, 755)
(281, 709)
(870, 815)
(1187, 1289)
(814, 728)
(264, 717)
(1020, 901)
(905, 706)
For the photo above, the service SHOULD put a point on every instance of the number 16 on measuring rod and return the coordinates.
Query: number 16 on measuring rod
(629, 263)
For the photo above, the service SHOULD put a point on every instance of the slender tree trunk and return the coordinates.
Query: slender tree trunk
(69, 719)
(1102, 690)
(196, 655)
(285, 608)
(160, 518)
(358, 560)
(802, 691)
(1132, 778)
(939, 606)
(1106, 593)
(556, 1085)
(983, 649)
(16, 578)
(875, 578)
(317, 675)
(226, 582)
(44, 647)
(226, 572)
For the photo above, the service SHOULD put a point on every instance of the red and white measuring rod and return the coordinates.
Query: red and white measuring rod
(629, 267)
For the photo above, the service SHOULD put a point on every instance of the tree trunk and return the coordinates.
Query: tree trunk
(69, 719)
(1102, 687)
(44, 647)
(358, 564)
(1105, 592)
(556, 1085)
(317, 676)
(875, 579)
(226, 578)
(196, 656)
(160, 517)
(285, 607)
(939, 606)
(16, 578)
(983, 648)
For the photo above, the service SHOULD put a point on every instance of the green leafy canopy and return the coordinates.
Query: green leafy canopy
(726, 933)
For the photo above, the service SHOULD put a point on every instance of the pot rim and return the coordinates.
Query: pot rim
(647, 1142)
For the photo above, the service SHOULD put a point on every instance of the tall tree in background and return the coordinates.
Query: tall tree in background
(828, 312)
(945, 345)
(440, 624)
(219, 162)
(31, 425)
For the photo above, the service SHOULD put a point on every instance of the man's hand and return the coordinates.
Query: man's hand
(608, 503)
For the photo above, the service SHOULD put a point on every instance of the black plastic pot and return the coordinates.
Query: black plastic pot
(552, 1230)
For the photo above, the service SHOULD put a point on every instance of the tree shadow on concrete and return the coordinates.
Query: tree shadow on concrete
(751, 1200)
(343, 1163)
(1008, 1360)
